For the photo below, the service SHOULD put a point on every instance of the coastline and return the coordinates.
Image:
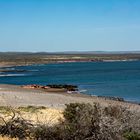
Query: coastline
(5, 67)
(78, 97)
(15, 96)
(9, 59)
(13, 64)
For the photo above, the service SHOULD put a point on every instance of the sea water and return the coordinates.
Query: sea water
(120, 79)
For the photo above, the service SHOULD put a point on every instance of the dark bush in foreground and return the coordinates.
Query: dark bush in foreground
(16, 127)
(43, 132)
(82, 122)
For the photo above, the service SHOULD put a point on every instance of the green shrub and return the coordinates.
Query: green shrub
(132, 136)
(81, 122)
(44, 132)
(31, 109)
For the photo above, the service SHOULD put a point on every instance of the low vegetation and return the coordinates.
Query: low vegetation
(81, 122)
(14, 58)
(31, 109)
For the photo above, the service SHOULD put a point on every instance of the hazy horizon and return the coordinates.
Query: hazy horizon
(73, 52)
(73, 25)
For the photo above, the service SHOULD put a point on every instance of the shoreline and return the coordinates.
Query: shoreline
(6, 65)
(14, 64)
(15, 96)
(64, 91)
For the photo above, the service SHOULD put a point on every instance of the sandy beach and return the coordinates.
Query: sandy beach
(15, 96)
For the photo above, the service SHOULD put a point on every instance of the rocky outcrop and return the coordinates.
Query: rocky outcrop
(66, 87)
(112, 98)
(34, 86)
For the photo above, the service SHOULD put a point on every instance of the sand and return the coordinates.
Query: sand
(15, 96)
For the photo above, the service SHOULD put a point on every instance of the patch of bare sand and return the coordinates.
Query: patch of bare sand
(44, 116)
(7, 138)
(6, 64)
(15, 96)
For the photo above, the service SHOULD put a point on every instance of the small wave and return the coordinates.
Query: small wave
(38, 65)
(11, 75)
(83, 91)
(33, 70)
(123, 60)
(10, 68)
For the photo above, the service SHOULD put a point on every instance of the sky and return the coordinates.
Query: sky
(69, 25)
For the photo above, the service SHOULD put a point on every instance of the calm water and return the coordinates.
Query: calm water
(121, 79)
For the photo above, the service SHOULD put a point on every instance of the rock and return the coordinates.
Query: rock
(113, 98)
(67, 87)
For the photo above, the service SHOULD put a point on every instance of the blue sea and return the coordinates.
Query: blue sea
(120, 79)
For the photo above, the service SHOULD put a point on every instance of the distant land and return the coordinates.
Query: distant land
(29, 58)
(75, 52)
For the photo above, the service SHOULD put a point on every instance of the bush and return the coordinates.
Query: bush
(86, 121)
(16, 128)
(81, 122)
(43, 132)
(132, 136)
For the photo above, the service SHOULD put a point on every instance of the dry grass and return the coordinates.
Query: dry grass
(43, 116)
(7, 138)
(36, 115)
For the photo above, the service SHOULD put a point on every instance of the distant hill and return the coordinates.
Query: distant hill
(74, 52)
